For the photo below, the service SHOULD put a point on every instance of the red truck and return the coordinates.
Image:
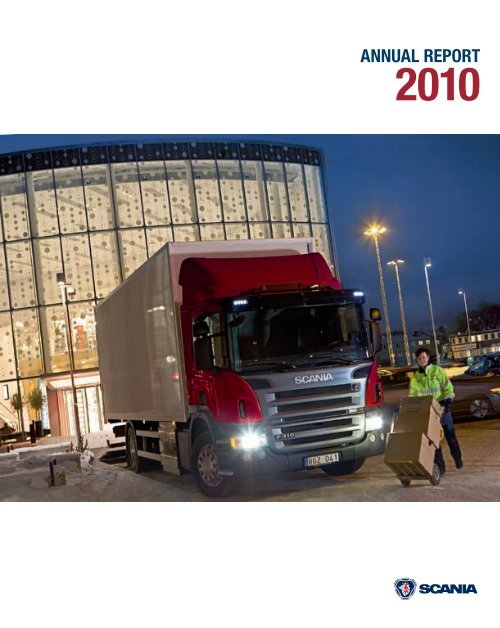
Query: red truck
(228, 358)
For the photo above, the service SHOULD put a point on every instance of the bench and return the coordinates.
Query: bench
(11, 439)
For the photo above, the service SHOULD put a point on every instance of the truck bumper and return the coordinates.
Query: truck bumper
(264, 460)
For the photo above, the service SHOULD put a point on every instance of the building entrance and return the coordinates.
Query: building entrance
(61, 407)
(89, 410)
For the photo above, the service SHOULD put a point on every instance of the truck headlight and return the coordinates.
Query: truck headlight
(248, 441)
(374, 422)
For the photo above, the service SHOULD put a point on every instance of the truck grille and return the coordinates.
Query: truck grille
(313, 418)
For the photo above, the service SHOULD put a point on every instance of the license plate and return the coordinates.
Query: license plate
(316, 461)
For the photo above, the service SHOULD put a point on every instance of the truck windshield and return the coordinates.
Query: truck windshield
(293, 337)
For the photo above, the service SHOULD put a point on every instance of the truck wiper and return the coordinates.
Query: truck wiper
(275, 365)
(281, 365)
(336, 360)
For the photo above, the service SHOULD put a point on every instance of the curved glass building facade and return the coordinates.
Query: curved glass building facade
(97, 213)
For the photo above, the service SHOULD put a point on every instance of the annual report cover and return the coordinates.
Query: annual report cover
(219, 337)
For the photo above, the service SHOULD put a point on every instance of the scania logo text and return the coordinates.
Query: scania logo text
(406, 587)
(310, 379)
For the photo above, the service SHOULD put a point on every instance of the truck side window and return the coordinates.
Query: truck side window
(216, 335)
(218, 344)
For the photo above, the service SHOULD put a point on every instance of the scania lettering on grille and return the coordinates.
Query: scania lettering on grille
(310, 379)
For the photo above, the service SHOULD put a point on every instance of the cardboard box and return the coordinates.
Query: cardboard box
(409, 454)
(420, 415)
(422, 403)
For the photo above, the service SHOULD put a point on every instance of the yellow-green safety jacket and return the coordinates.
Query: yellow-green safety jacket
(434, 382)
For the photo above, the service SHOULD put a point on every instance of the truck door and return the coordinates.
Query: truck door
(209, 351)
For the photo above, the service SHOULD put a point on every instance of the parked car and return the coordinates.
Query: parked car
(484, 365)
(478, 405)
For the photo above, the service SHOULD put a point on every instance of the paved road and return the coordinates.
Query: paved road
(479, 480)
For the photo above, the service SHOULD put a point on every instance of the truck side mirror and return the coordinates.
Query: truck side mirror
(203, 356)
(375, 314)
(376, 337)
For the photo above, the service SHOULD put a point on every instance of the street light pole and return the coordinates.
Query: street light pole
(65, 288)
(428, 264)
(396, 263)
(469, 343)
(374, 232)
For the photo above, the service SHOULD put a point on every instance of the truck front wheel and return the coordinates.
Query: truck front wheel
(206, 468)
(344, 468)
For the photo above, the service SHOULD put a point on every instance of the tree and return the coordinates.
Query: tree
(485, 317)
(36, 401)
(17, 403)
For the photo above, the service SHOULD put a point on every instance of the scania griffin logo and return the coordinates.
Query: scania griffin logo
(310, 379)
(405, 588)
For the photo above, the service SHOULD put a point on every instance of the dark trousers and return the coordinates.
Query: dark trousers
(453, 444)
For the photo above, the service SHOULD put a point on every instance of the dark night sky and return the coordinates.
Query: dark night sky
(439, 196)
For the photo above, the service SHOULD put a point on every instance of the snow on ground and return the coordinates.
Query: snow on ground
(25, 475)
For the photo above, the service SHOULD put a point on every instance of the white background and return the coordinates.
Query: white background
(228, 67)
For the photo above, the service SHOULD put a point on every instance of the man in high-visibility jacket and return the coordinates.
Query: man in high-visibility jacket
(430, 380)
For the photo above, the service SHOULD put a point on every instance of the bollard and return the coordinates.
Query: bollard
(52, 477)
(32, 432)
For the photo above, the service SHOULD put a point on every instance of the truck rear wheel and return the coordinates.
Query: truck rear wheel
(343, 468)
(134, 461)
(206, 468)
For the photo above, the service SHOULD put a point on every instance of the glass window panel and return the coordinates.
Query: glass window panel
(315, 194)
(47, 253)
(321, 242)
(282, 230)
(98, 197)
(7, 362)
(133, 250)
(207, 191)
(27, 336)
(42, 203)
(29, 414)
(82, 319)
(259, 230)
(255, 193)
(182, 194)
(186, 234)
(276, 191)
(296, 192)
(105, 259)
(14, 206)
(77, 266)
(127, 194)
(4, 291)
(55, 344)
(20, 264)
(70, 201)
(301, 230)
(231, 188)
(212, 232)
(155, 201)
(237, 231)
(8, 412)
(157, 237)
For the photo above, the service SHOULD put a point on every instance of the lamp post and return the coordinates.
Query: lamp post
(462, 292)
(65, 290)
(374, 232)
(396, 263)
(428, 264)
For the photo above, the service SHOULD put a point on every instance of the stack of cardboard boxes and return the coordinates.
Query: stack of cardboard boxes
(416, 434)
